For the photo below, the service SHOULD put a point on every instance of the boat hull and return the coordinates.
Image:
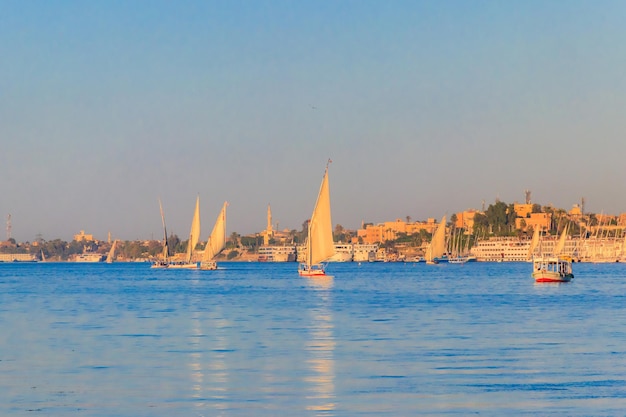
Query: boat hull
(174, 265)
(312, 270)
(552, 269)
(545, 276)
(184, 265)
(208, 266)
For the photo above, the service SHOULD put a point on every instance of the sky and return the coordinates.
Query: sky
(426, 108)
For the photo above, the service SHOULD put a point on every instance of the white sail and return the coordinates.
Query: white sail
(217, 240)
(166, 250)
(534, 242)
(320, 242)
(437, 246)
(111, 253)
(560, 244)
(194, 233)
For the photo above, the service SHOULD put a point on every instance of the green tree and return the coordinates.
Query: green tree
(481, 224)
(511, 216)
(293, 236)
(251, 242)
(340, 234)
(234, 240)
(134, 250)
(500, 218)
(175, 245)
(154, 248)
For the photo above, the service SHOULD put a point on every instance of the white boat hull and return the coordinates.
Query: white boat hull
(318, 270)
(208, 266)
(184, 265)
(174, 265)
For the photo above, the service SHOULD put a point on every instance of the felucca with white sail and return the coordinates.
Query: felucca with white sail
(163, 262)
(168, 261)
(437, 247)
(111, 254)
(320, 246)
(215, 243)
(194, 237)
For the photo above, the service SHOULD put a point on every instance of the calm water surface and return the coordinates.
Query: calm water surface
(257, 340)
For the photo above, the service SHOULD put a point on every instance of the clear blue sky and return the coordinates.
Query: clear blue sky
(425, 108)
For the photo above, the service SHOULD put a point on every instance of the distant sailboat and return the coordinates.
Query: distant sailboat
(194, 237)
(560, 244)
(320, 245)
(458, 254)
(533, 243)
(111, 254)
(163, 262)
(216, 242)
(437, 246)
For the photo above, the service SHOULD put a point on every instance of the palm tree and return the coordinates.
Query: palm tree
(234, 239)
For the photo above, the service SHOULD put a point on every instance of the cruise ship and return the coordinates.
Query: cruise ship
(17, 257)
(513, 249)
(343, 253)
(89, 257)
(364, 252)
(277, 254)
(601, 250)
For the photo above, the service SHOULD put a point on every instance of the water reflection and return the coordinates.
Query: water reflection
(195, 361)
(218, 370)
(209, 376)
(320, 350)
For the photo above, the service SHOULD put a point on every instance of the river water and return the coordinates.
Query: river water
(253, 339)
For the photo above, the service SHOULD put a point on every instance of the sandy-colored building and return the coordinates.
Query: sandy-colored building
(465, 220)
(541, 220)
(83, 237)
(576, 211)
(382, 232)
(522, 210)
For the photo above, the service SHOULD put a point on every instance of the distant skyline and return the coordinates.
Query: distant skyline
(426, 108)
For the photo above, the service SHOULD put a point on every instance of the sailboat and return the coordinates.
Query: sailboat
(194, 237)
(216, 242)
(163, 262)
(111, 253)
(555, 267)
(458, 255)
(320, 245)
(534, 242)
(437, 246)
